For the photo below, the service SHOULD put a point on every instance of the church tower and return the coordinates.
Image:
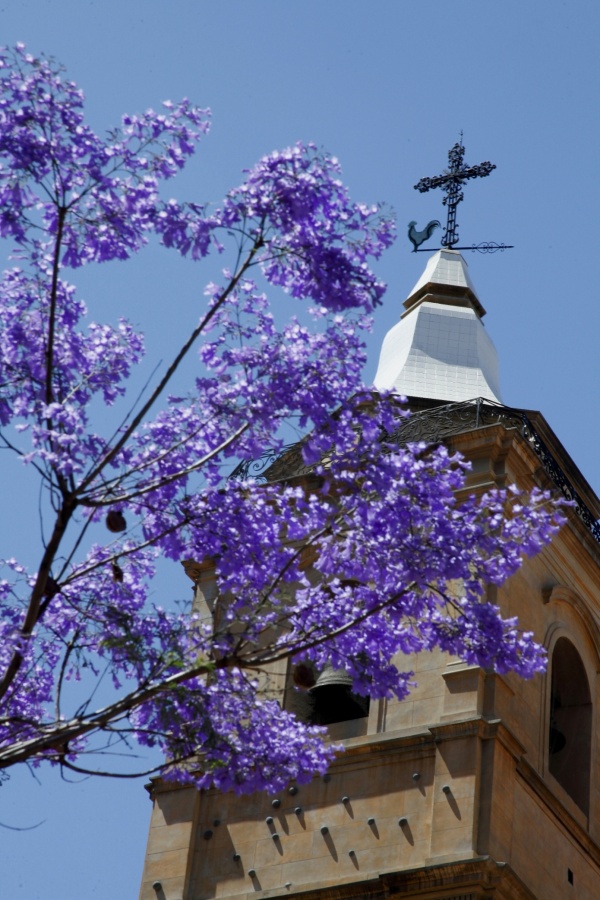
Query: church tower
(477, 785)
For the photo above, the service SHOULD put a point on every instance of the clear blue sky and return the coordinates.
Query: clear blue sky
(387, 87)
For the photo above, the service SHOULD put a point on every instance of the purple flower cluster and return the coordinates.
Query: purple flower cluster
(369, 558)
(99, 197)
(318, 242)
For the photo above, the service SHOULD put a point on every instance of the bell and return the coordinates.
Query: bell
(557, 740)
(334, 700)
(330, 676)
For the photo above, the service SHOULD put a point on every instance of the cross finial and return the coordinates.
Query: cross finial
(451, 182)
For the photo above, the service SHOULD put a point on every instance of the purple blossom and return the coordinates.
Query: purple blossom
(369, 558)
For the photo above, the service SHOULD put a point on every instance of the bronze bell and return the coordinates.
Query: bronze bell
(331, 676)
(556, 739)
(334, 700)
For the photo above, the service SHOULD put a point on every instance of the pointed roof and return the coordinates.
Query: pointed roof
(439, 350)
(446, 274)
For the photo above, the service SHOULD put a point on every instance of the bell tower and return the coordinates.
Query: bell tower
(477, 785)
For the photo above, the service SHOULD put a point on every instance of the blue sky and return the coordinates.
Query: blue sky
(386, 87)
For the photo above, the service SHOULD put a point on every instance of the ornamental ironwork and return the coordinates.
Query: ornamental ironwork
(488, 247)
(451, 181)
(434, 426)
(439, 423)
(275, 464)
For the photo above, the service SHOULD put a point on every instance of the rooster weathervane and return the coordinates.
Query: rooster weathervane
(451, 182)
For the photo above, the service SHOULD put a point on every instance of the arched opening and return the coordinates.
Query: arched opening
(570, 727)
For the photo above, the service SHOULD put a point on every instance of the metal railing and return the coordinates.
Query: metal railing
(433, 426)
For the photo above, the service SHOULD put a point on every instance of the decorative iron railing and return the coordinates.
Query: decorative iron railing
(434, 426)
(273, 465)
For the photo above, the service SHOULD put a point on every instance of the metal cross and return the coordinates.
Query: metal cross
(451, 183)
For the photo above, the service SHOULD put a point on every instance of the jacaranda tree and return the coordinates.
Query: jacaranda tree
(370, 557)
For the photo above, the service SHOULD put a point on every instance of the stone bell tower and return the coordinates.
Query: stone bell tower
(476, 785)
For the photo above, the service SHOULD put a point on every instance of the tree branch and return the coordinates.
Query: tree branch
(110, 455)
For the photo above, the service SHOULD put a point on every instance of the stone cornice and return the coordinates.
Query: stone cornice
(474, 878)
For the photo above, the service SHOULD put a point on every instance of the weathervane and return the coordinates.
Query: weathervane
(451, 182)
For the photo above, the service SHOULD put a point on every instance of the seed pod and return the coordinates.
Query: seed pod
(117, 572)
(303, 676)
(52, 588)
(115, 521)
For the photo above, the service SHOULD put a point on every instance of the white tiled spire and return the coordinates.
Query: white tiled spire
(439, 349)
